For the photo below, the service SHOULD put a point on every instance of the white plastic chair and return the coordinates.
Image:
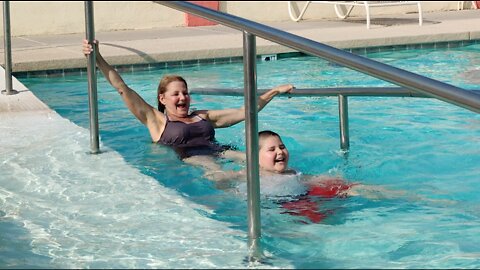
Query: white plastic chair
(343, 8)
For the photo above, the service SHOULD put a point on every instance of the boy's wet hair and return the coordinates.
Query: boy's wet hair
(265, 134)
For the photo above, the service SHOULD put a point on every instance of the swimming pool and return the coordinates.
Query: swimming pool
(64, 208)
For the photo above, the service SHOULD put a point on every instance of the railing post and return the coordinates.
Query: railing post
(7, 50)
(343, 116)
(251, 128)
(92, 80)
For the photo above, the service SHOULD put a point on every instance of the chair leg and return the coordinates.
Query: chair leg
(420, 14)
(290, 11)
(342, 12)
(367, 13)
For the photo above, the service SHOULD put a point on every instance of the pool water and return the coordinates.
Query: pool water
(425, 147)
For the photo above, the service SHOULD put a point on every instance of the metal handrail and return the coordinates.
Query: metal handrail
(92, 79)
(8, 50)
(341, 92)
(346, 91)
(400, 77)
(251, 133)
(403, 78)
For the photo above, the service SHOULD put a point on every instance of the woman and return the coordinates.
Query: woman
(191, 134)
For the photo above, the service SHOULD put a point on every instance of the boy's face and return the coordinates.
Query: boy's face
(273, 155)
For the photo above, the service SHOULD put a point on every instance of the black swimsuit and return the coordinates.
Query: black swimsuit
(191, 139)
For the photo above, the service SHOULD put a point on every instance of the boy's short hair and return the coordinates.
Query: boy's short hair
(265, 134)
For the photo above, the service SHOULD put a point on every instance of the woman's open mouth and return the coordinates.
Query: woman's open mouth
(182, 106)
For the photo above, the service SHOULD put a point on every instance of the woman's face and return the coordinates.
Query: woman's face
(273, 155)
(176, 99)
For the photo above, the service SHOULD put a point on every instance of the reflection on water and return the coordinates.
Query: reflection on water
(137, 205)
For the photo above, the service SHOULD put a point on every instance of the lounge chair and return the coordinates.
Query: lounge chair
(343, 8)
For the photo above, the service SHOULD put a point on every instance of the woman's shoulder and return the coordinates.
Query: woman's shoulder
(200, 113)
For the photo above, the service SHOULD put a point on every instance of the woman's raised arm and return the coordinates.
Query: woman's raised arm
(230, 117)
(144, 112)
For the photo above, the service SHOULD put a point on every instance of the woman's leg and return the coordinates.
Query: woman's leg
(234, 155)
(213, 170)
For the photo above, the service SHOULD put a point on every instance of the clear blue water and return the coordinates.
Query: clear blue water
(422, 146)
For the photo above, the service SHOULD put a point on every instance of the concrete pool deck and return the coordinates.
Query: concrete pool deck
(63, 52)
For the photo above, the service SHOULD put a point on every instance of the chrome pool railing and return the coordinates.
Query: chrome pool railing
(251, 132)
(403, 78)
(92, 80)
(400, 77)
(342, 92)
(346, 91)
(8, 50)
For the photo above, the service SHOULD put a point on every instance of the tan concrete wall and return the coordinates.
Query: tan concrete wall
(66, 17)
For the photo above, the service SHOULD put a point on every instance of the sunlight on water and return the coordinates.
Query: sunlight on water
(79, 210)
(136, 205)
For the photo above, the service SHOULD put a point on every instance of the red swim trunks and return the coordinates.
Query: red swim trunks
(304, 206)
